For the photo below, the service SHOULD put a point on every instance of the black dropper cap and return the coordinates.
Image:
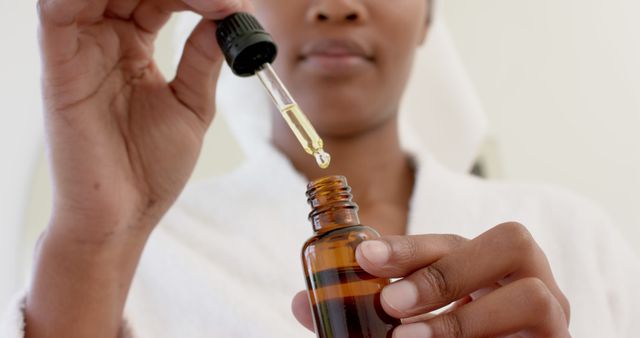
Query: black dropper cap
(245, 44)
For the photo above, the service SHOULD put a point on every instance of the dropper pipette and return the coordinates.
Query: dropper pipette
(250, 50)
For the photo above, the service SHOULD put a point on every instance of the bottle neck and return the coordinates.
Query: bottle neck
(331, 202)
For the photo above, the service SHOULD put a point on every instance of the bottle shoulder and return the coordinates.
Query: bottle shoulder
(348, 234)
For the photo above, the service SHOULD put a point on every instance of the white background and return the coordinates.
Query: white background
(560, 82)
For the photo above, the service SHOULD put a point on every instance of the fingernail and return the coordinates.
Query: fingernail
(375, 251)
(199, 4)
(209, 5)
(415, 330)
(402, 296)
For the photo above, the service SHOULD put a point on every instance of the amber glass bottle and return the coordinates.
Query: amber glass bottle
(345, 300)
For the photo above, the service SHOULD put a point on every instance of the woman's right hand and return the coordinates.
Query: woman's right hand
(122, 141)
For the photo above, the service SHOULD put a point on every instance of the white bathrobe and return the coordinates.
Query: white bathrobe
(225, 261)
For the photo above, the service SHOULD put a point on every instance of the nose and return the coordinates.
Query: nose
(337, 11)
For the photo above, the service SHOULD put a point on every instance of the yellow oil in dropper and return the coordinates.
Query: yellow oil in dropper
(296, 119)
(306, 135)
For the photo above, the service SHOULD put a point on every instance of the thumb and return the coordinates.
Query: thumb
(216, 9)
(197, 75)
(301, 309)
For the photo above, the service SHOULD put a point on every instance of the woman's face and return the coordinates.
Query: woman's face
(346, 62)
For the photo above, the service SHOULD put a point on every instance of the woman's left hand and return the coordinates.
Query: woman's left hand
(500, 284)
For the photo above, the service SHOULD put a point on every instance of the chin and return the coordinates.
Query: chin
(343, 112)
(344, 122)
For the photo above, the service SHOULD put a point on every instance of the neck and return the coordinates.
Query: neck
(377, 169)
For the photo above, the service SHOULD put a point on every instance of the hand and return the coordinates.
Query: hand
(123, 141)
(500, 284)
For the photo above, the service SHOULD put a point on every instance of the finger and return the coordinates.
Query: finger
(151, 15)
(398, 256)
(195, 82)
(301, 309)
(217, 9)
(426, 316)
(121, 9)
(459, 303)
(526, 306)
(506, 250)
(59, 29)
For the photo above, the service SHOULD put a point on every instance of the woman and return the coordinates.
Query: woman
(123, 143)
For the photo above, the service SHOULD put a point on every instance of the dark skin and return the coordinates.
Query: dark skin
(355, 109)
(123, 142)
(355, 113)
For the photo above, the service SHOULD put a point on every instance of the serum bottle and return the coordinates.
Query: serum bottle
(345, 300)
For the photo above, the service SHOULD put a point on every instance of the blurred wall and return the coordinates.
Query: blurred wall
(560, 82)
(20, 130)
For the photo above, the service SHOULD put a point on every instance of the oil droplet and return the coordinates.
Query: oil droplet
(322, 158)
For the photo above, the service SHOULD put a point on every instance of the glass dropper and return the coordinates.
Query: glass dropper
(296, 119)
(250, 50)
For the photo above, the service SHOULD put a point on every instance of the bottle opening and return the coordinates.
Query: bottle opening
(331, 203)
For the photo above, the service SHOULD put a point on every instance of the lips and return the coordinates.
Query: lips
(336, 56)
(336, 48)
